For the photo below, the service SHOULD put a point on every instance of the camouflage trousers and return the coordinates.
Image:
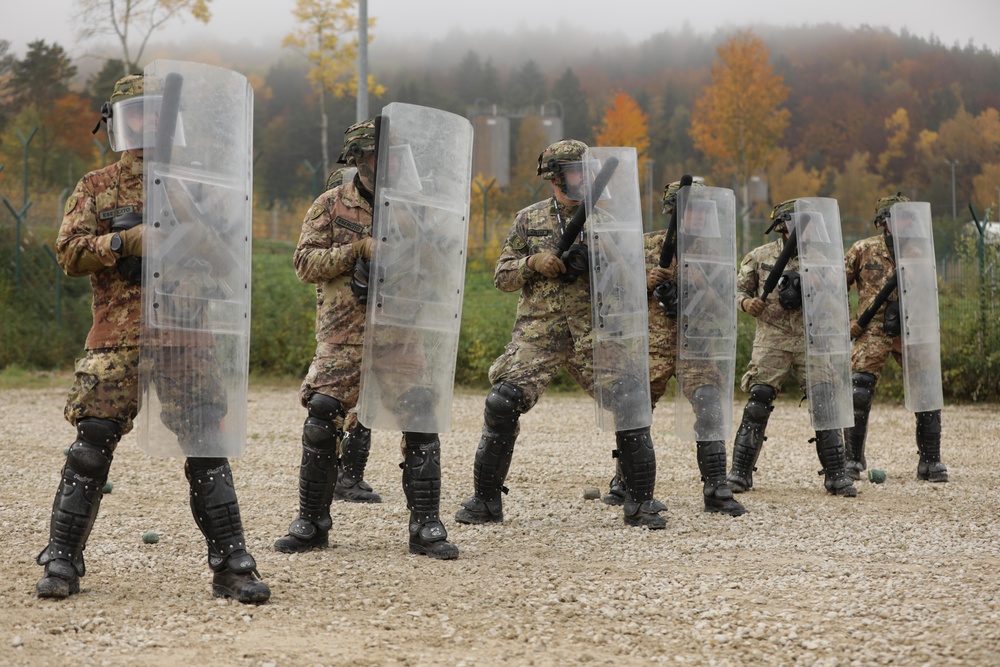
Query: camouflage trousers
(772, 367)
(871, 350)
(532, 368)
(106, 386)
(663, 365)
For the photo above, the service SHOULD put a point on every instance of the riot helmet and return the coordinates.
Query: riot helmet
(562, 163)
(884, 205)
(670, 191)
(780, 216)
(135, 98)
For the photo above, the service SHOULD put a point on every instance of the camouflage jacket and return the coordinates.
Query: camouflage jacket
(662, 329)
(550, 312)
(869, 264)
(85, 234)
(777, 328)
(324, 256)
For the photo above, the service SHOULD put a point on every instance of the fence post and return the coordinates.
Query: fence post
(58, 285)
(17, 238)
(312, 170)
(103, 147)
(484, 191)
(25, 142)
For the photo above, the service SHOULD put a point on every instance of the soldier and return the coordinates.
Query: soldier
(335, 234)
(870, 263)
(779, 349)
(704, 392)
(104, 399)
(552, 330)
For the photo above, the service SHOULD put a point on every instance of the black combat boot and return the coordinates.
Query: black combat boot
(74, 510)
(930, 468)
(216, 510)
(493, 456)
(637, 463)
(854, 436)
(712, 464)
(830, 449)
(422, 487)
(351, 486)
(750, 437)
(317, 475)
(616, 490)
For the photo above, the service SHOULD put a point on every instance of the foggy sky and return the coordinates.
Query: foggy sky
(265, 22)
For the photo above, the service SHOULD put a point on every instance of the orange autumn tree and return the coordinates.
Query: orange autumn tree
(738, 121)
(624, 124)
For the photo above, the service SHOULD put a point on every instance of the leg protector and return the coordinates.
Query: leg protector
(830, 449)
(216, 510)
(354, 449)
(712, 464)
(854, 436)
(422, 487)
(637, 462)
(616, 488)
(75, 507)
(317, 476)
(750, 437)
(707, 403)
(493, 456)
(930, 468)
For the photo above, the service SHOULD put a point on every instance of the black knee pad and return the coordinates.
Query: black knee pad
(864, 390)
(759, 407)
(320, 431)
(624, 389)
(416, 401)
(707, 403)
(503, 407)
(91, 454)
(195, 465)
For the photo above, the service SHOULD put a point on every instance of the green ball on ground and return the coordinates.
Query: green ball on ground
(876, 476)
(150, 537)
(591, 494)
(108, 488)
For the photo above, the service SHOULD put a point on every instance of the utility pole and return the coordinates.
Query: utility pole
(362, 108)
(954, 210)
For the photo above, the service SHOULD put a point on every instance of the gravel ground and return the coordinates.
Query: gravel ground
(905, 574)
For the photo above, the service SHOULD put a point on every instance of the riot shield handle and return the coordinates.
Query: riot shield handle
(670, 243)
(880, 299)
(791, 244)
(169, 110)
(580, 217)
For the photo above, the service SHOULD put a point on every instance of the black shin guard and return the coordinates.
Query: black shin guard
(216, 510)
(830, 450)
(855, 436)
(930, 468)
(318, 469)
(351, 485)
(494, 454)
(712, 465)
(750, 437)
(422, 488)
(637, 462)
(78, 498)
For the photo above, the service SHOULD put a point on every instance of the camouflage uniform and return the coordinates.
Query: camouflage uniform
(778, 351)
(870, 265)
(552, 330)
(326, 256)
(104, 400)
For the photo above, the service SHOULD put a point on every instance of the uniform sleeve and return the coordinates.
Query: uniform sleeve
(317, 258)
(851, 262)
(80, 251)
(512, 270)
(746, 281)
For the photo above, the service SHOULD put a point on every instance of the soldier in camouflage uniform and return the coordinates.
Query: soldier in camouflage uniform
(778, 350)
(711, 455)
(553, 330)
(871, 263)
(336, 234)
(104, 399)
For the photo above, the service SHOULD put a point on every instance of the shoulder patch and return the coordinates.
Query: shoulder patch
(515, 241)
(314, 212)
(347, 224)
(70, 204)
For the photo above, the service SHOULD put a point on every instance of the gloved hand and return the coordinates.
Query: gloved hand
(132, 241)
(856, 330)
(363, 247)
(754, 306)
(547, 264)
(658, 275)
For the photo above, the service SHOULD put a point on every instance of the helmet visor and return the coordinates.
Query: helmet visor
(128, 128)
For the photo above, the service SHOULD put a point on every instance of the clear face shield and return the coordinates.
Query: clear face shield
(572, 180)
(127, 127)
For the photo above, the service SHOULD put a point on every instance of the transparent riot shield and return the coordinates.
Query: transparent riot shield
(420, 226)
(618, 294)
(825, 310)
(910, 225)
(195, 341)
(706, 313)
